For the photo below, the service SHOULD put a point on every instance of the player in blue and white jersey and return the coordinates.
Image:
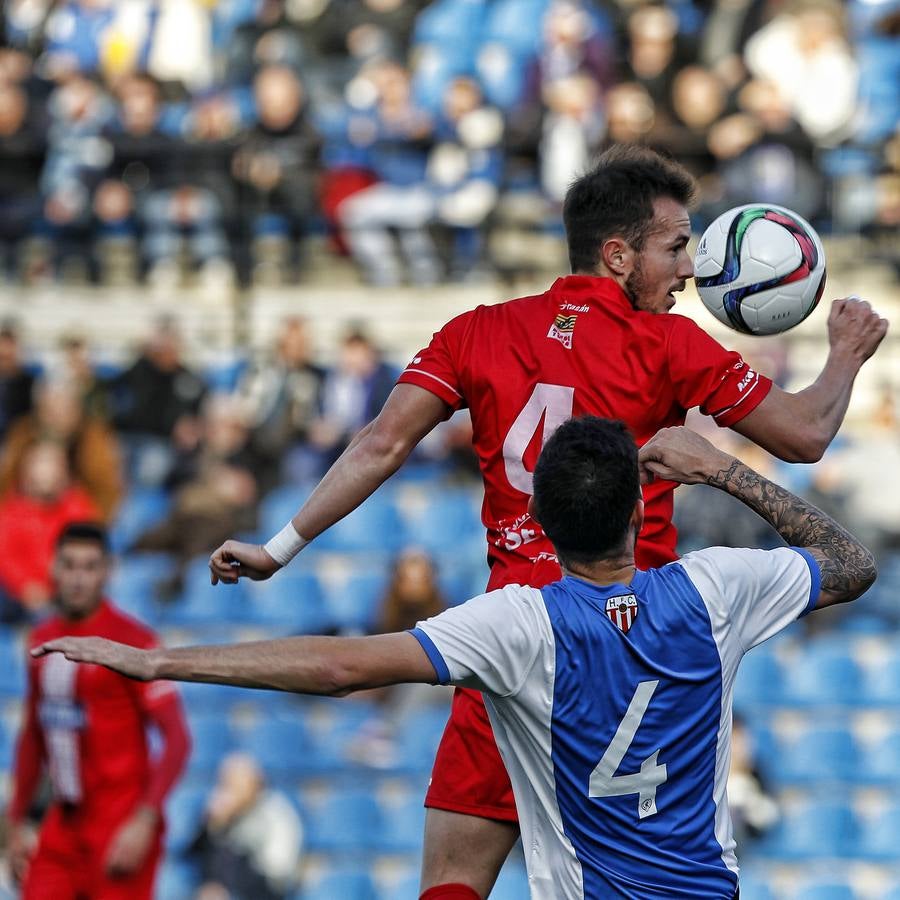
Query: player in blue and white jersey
(609, 691)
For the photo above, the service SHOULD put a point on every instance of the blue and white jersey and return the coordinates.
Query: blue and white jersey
(611, 707)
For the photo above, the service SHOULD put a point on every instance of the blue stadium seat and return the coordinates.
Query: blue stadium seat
(203, 699)
(402, 825)
(224, 376)
(879, 837)
(141, 508)
(447, 512)
(354, 605)
(512, 884)
(13, 674)
(402, 887)
(279, 506)
(212, 740)
(419, 736)
(7, 748)
(759, 680)
(203, 602)
(280, 746)
(503, 25)
(352, 884)
(177, 880)
(825, 754)
(881, 761)
(817, 830)
(450, 23)
(375, 525)
(346, 821)
(184, 812)
(292, 602)
(132, 586)
(826, 674)
(754, 886)
(882, 683)
(826, 890)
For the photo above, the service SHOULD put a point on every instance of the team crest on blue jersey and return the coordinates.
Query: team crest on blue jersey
(562, 330)
(622, 611)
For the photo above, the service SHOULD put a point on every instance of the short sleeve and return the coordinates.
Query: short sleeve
(755, 593)
(705, 374)
(438, 368)
(491, 642)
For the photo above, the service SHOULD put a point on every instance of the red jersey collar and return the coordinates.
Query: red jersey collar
(88, 624)
(581, 289)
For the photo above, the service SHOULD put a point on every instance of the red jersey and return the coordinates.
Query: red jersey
(89, 725)
(525, 366)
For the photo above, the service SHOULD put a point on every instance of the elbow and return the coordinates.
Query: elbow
(864, 574)
(868, 573)
(388, 446)
(805, 447)
(337, 680)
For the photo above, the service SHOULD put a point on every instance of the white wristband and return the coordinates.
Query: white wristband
(285, 545)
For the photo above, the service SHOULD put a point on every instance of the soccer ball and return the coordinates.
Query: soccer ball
(760, 268)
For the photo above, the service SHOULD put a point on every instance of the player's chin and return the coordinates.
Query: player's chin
(670, 301)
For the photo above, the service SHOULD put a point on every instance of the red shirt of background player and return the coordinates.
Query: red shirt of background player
(522, 368)
(525, 366)
(88, 725)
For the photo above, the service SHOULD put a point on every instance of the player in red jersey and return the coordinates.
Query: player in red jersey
(102, 835)
(597, 342)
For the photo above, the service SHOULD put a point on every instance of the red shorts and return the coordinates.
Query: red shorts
(469, 776)
(70, 862)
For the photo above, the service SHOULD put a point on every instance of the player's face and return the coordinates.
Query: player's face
(663, 265)
(80, 571)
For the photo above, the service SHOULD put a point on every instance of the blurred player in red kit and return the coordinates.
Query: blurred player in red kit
(598, 342)
(102, 835)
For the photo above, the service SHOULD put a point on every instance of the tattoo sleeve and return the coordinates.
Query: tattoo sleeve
(847, 567)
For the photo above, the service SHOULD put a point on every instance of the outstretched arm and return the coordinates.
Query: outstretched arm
(304, 665)
(846, 567)
(799, 427)
(376, 452)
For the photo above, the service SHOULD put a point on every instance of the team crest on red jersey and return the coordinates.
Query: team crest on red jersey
(622, 611)
(562, 329)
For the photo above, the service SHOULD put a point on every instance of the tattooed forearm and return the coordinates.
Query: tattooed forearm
(847, 567)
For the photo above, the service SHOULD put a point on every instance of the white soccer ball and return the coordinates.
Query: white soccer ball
(760, 269)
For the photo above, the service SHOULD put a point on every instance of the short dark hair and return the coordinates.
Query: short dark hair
(586, 484)
(84, 533)
(616, 198)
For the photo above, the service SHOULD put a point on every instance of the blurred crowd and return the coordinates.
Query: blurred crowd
(76, 438)
(207, 140)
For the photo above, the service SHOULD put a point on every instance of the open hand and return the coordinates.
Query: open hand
(132, 842)
(234, 560)
(679, 454)
(130, 661)
(22, 844)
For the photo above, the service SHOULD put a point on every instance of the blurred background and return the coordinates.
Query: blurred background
(226, 225)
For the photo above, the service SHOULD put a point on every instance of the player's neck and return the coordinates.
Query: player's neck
(619, 570)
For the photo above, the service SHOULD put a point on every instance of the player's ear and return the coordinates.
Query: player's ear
(617, 257)
(530, 508)
(637, 516)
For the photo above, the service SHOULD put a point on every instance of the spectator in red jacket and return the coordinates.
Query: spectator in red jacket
(31, 518)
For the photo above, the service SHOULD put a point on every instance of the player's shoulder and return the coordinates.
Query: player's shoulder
(726, 568)
(671, 324)
(46, 631)
(128, 629)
